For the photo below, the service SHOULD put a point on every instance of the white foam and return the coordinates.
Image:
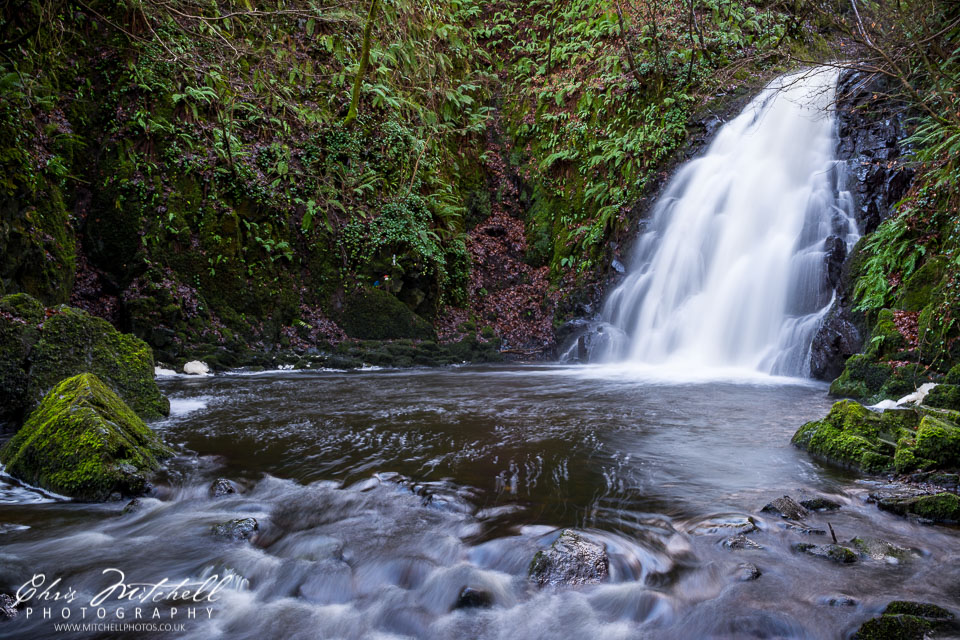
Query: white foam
(196, 368)
(183, 406)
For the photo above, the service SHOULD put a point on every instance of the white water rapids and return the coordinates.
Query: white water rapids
(730, 270)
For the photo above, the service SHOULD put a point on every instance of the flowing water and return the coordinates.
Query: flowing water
(730, 270)
(381, 494)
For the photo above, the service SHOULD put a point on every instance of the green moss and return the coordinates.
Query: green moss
(84, 442)
(893, 628)
(916, 291)
(944, 396)
(953, 376)
(374, 314)
(939, 441)
(847, 435)
(942, 507)
(920, 609)
(39, 248)
(74, 342)
(885, 337)
(862, 377)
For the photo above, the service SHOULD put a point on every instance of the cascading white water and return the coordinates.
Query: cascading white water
(730, 271)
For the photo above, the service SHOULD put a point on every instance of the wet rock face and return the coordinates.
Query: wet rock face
(870, 134)
(837, 339)
(571, 560)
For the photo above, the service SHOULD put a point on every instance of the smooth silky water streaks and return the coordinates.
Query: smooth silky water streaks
(372, 517)
(730, 271)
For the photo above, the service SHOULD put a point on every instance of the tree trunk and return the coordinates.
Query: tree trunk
(364, 63)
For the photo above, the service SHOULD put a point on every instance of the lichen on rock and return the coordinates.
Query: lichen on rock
(85, 443)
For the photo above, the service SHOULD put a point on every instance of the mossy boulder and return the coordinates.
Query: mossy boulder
(84, 442)
(74, 342)
(901, 440)
(854, 436)
(20, 320)
(374, 314)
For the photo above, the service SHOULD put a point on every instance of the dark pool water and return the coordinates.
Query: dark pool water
(381, 494)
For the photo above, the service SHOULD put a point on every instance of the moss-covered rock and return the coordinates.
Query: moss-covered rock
(862, 377)
(74, 342)
(374, 314)
(938, 440)
(941, 507)
(20, 319)
(850, 435)
(84, 442)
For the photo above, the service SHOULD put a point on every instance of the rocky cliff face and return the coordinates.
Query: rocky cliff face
(871, 136)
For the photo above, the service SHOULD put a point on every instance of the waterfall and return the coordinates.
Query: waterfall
(730, 269)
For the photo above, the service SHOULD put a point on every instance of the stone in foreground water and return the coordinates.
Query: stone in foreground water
(570, 560)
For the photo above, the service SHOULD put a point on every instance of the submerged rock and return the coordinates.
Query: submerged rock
(570, 560)
(471, 598)
(903, 620)
(786, 507)
(84, 442)
(236, 530)
(222, 487)
(835, 552)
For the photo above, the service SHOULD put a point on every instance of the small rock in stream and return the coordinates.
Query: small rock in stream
(570, 560)
(222, 487)
(236, 530)
(878, 549)
(819, 504)
(133, 506)
(741, 542)
(8, 607)
(471, 598)
(786, 507)
(739, 524)
(835, 552)
(745, 572)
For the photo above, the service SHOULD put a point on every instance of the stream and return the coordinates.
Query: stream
(381, 494)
